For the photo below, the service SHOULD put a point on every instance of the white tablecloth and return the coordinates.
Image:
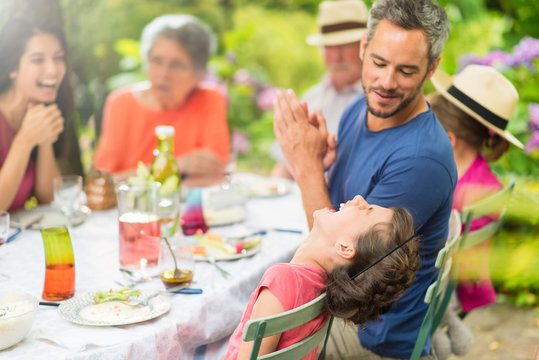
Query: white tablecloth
(193, 320)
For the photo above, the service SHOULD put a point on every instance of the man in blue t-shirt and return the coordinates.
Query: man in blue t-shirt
(391, 150)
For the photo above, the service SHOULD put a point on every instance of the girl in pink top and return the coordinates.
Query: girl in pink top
(35, 97)
(338, 246)
(474, 107)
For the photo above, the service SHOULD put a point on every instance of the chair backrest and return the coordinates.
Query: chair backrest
(494, 204)
(257, 329)
(491, 204)
(437, 289)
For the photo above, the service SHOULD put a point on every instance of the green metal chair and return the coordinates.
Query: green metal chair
(437, 289)
(439, 293)
(494, 204)
(257, 329)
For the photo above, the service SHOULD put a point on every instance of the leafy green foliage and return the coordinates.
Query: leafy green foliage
(265, 39)
(514, 264)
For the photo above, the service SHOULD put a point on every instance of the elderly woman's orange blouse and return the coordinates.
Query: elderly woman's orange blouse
(128, 128)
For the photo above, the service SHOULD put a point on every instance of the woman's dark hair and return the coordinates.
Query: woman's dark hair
(372, 293)
(13, 40)
(490, 145)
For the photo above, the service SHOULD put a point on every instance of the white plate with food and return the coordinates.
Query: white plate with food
(84, 310)
(47, 216)
(219, 255)
(212, 245)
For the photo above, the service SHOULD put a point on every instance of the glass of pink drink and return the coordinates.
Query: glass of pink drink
(138, 215)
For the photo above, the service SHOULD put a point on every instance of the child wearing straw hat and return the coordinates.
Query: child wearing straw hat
(474, 107)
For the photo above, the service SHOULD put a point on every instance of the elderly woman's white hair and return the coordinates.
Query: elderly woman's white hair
(195, 37)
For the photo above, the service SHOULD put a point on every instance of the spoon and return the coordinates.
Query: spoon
(180, 289)
(136, 277)
(177, 272)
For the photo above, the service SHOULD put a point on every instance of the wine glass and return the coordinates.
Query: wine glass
(4, 231)
(67, 193)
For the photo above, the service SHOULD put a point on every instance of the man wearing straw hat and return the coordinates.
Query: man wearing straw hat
(342, 24)
(392, 150)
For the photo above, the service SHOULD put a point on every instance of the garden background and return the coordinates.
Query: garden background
(262, 47)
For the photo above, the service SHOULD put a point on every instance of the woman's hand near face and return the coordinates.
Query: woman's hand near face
(41, 125)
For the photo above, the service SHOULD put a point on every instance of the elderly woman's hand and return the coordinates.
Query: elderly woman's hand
(201, 163)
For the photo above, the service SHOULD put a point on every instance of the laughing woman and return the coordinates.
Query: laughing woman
(35, 98)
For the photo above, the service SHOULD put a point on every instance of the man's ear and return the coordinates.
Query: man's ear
(433, 68)
(362, 46)
(13, 75)
(345, 250)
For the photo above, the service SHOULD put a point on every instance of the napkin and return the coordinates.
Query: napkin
(81, 339)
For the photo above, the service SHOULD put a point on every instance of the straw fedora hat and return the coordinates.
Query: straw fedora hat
(484, 94)
(340, 22)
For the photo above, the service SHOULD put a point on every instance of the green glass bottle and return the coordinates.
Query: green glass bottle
(164, 165)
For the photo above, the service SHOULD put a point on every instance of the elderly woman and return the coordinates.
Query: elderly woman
(175, 50)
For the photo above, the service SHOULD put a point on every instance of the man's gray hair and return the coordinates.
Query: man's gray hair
(413, 14)
(195, 37)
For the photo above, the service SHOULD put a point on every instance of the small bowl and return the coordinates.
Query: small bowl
(17, 313)
(168, 279)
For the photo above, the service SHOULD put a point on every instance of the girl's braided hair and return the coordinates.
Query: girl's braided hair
(372, 293)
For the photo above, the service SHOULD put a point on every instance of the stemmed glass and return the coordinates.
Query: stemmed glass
(4, 231)
(67, 193)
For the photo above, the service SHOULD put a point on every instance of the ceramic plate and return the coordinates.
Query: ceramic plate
(82, 310)
(220, 255)
(51, 217)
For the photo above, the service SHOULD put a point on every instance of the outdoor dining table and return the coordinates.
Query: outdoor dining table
(193, 321)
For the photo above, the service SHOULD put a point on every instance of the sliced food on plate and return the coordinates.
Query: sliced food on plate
(212, 244)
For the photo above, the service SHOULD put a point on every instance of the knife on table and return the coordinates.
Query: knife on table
(260, 232)
(25, 227)
(183, 289)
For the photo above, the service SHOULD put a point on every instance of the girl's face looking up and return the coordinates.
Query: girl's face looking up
(353, 219)
(41, 69)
